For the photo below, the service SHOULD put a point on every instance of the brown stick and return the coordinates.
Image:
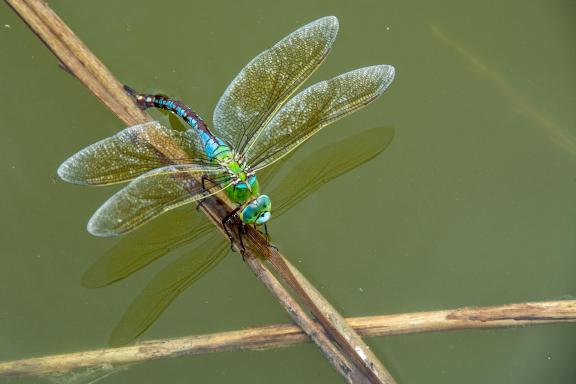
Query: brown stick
(282, 335)
(79, 61)
(345, 335)
(338, 360)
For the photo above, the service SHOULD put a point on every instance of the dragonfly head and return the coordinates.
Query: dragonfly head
(257, 211)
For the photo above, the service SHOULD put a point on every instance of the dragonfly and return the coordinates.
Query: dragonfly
(256, 123)
(201, 246)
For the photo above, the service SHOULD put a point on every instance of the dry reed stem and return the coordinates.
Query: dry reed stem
(282, 335)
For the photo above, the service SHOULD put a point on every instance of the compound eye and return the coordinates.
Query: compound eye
(263, 217)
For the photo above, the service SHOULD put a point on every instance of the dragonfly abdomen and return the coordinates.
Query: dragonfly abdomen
(213, 146)
(176, 107)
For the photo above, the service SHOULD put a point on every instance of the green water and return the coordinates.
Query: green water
(473, 203)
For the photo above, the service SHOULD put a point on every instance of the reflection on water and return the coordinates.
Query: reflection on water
(558, 134)
(462, 212)
(148, 243)
(167, 285)
(184, 226)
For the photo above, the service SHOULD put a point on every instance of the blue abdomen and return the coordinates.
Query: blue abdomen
(214, 147)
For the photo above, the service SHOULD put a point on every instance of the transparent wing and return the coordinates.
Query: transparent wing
(326, 165)
(269, 79)
(314, 108)
(133, 252)
(266, 175)
(152, 194)
(129, 153)
(166, 286)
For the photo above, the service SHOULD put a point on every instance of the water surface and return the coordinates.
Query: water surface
(473, 203)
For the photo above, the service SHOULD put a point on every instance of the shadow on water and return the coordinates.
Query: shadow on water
(558, 134)
(184, 226)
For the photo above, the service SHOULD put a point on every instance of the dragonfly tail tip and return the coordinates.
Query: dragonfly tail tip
(129, 90)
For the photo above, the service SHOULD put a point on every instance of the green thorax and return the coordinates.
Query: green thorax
(245, 186)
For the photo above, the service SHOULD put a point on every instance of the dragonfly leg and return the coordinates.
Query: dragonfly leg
(268, 237)
(225, 222)
(204, 178)
(200, 202)
(241, 231)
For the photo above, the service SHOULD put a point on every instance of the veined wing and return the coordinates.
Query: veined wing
(269, 79)
(314, 108)
(153, 193)
(130, 153)
(266, 175)
(327, 164)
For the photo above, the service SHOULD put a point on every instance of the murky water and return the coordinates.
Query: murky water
(473, 203)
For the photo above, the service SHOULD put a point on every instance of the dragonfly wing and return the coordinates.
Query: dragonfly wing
(266, 175)
(166, 286)
(269, 79)
(314, 108)
(151, 194)
(327, 164)
(130, 153)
